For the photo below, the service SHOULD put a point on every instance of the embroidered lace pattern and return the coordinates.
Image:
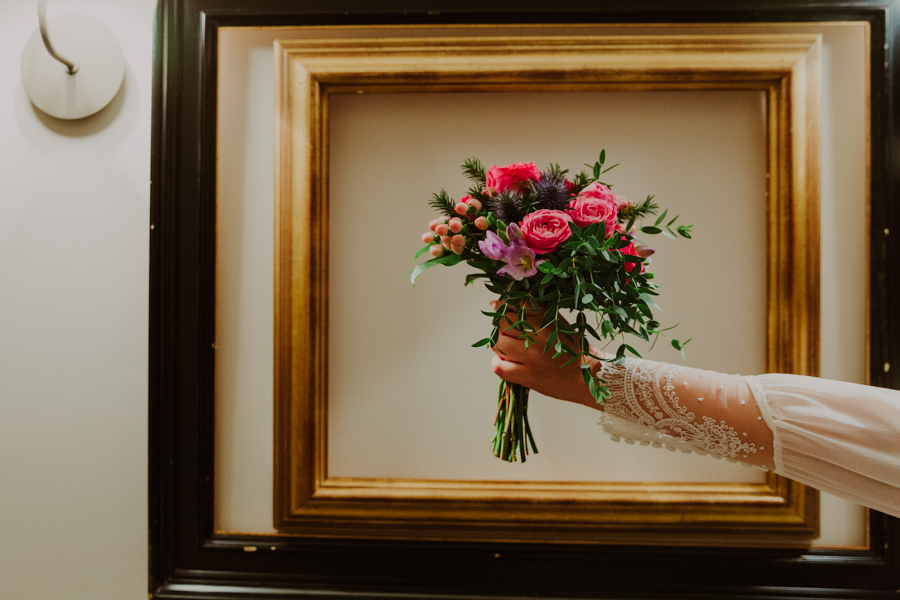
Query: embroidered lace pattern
(645, 407)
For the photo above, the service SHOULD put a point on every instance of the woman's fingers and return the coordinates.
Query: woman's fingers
(511, 348)
(510, 371)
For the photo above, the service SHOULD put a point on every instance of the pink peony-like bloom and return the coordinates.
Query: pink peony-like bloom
(598, 190)
(622, 202)
(492, 246)
(544, 230)
(520, 261)
(515, 176)
(585, 210)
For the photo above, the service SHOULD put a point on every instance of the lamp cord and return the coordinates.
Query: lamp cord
(42, 23)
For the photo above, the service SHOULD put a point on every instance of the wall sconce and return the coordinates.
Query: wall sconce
(77, 74)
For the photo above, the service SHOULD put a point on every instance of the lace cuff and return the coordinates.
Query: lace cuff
(671, 406)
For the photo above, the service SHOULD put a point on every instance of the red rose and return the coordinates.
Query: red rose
(585, 210)
(631, 266)
(544, 230)
(515, 176)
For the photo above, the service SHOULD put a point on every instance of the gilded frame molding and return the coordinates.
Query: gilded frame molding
(309, 503)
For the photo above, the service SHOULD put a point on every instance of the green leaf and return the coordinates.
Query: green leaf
(607, 328)
(576, 231)
(651, 230)
(422, 251)
(602, 156)
(632, 350)
(662, 217)
(448, 260)
(548, 318)
(607, 169)
(481, 343)
(586, 299)
(472, 277)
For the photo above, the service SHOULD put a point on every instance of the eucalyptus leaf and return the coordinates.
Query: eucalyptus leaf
(448, 260)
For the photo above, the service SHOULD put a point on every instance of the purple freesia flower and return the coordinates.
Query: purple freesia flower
(492, 246)
(514, 234)
(520, 261)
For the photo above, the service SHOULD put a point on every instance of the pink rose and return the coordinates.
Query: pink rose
(622, 202)
(544, 230)
(514, 176)
(588, 209)
(599, 191)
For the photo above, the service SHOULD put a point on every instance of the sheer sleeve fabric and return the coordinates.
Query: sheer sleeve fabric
(841, 438)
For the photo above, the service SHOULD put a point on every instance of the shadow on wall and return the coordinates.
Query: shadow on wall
(93, 138)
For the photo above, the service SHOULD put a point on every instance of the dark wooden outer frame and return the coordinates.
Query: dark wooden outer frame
(188, 560)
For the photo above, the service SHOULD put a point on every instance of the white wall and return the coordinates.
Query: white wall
(74, 218)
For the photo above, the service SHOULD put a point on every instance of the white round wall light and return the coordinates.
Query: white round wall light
(77, 74)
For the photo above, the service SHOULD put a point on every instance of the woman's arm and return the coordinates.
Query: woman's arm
(842, 438)
(652, 403)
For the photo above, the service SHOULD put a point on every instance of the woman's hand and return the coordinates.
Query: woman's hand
(539, 370)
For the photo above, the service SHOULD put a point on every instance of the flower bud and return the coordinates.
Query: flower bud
(645, 251)
(457, 244)
(445, 242)
(473, 202)
(481, 223)
(441, 229)
(436, 251)
(427, 238)
(460, 208)
(434, 223)
(455, 225)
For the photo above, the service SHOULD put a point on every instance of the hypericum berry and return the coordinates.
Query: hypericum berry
(457, 244)
(460, 208)
(445, 242)
(427, 238)
(455, 225)
(441, 229)
(436, 251)
(481, 223)
(475, 203)
(434, 223)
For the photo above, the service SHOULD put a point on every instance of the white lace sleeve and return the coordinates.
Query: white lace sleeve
(678, 408)
(838, 437)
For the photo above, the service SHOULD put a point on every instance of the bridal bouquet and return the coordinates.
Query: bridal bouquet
(546, 242)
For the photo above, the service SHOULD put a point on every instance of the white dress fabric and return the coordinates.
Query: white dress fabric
(841, 438)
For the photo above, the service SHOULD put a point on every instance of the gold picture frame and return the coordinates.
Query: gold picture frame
(307, 502)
